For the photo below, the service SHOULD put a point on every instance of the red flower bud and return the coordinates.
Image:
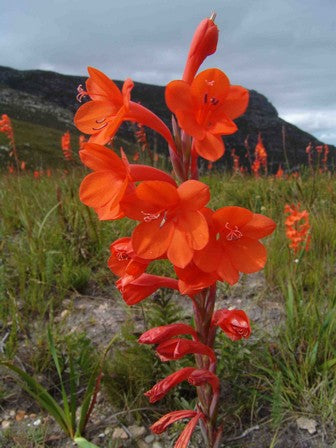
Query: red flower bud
(204, 43)
(177, 348)
(202, 376)
(144, 286)
(234, 323)
(161, 425)
(159, 334)
(163, 387)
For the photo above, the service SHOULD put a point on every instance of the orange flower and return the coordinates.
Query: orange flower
(235, 247)
(297, 227)
(102, 117)
(66, 146)
(112, 178)
(171, 221)
(203, 44)
(124, 263)
(279, 173)
(205, 109)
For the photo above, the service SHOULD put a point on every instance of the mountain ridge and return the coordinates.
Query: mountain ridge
(49, 98)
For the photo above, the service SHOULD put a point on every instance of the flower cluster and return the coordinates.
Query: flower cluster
(173, 219)
(260, 157)
(297, 228)
(66, 146)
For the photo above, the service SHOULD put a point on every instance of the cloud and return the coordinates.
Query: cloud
(283, 49)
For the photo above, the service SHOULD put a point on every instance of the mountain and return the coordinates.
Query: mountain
(49, 99)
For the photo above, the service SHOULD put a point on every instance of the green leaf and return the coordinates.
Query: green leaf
(83, 443)
(41, 395)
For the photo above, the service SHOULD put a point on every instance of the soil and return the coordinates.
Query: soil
(100, 314)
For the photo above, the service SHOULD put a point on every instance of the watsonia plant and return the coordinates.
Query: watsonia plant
(174, 222)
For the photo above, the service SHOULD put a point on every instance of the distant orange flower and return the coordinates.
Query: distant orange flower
(23, 166)
(66, 146)
(102, 117)
(81, 142)
(205, 109)
(279, 174)
(136, 156)
(297, 227)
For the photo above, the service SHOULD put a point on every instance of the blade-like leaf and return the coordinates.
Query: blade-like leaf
(83, 443)
(40, 395)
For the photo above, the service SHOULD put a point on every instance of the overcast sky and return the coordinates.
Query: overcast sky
(284, 49)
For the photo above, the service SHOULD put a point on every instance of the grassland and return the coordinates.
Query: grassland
(54, 250)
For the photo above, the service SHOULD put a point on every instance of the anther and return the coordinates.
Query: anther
(205, 99)
(148, 217)
(234, 234)
(81, 93)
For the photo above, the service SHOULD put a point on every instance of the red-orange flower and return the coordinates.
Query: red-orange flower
(112, 178)
(171, 220)
(205, 109)
(235, 247)
(234, 323)
(123, 262)
(102, 117)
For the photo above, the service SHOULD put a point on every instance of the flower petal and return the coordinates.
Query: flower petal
(235, 103)
(259, 227)
(193, 194)
(195, 227)
(232, 216)
(100, 87)
(179, 252)
(211, 82)
(150, 241)
(91, 116)
(210, 148)
(102, 187)
(247, 255)
(99, 158)
(178, 96)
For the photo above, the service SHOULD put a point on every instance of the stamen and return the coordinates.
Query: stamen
(164, 219)
(234, 234)
(148, 217)
(81, 93)
(122, 255)
(100, 121)
(210, 83)
(205, 99)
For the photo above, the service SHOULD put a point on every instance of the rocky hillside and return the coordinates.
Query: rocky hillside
(48, 99)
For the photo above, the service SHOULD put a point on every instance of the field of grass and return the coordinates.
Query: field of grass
(53, 249)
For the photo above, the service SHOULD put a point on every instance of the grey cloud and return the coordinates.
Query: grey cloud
(284, 49)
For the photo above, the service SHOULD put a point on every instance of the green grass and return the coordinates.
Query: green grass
(52, 245)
